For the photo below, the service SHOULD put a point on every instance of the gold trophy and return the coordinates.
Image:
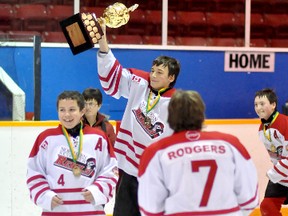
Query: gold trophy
(83, 30)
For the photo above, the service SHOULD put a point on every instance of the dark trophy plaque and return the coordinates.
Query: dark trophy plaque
(82, 31)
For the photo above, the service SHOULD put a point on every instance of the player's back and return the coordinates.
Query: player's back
(203, 172)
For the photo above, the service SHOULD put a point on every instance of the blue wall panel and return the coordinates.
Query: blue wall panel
(226, 94)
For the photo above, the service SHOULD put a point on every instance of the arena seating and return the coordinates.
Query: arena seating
(157, 40)
(232, 42)
(56, 13)
(56, 37)
(191, 41)
(278, 43)
(258, 42)
(191, 23)
(189, 19)
(30, 17)
(125, 39)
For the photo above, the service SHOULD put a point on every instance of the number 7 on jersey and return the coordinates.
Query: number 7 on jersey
(210, 178)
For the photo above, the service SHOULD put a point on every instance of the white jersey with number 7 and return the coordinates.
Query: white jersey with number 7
(197, 173)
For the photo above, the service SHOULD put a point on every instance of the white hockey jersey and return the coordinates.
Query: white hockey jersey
(133, 135)
(275, 139)
(197, 173)
(50, 172)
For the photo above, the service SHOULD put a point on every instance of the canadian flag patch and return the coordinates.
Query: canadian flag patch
(136, 79)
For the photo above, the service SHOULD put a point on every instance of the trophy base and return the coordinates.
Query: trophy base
(81, 31)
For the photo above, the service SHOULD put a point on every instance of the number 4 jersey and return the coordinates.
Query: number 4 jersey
(197, 173)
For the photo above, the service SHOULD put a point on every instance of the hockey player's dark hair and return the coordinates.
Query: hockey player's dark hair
(269, 93)
(93, 93)
(186, 111)
(73, 95)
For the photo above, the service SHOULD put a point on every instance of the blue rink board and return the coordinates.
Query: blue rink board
(226, 94)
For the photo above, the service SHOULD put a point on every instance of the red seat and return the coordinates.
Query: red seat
(56, 13)
(172, 23)
(279, 6)
(9, 1)
(235, 6)
(176, 5)
(136, 23)
(57, 37)
(97, 10)
(153, 22)
(224, 24)
(68, 2)
(31, 17)
(187, 18)
(258, 42)
(261, 6)
(278, 24)
(6, 17)
(259, 28)
(191, 41)
(232, 42)
(125, 39)
(45, 2)
(144, 5)
(137, 16)
(281, 43)
(276, 20)
(191, 23)
(157, 40)
(6, 11)
(153, 16)
(199, 5)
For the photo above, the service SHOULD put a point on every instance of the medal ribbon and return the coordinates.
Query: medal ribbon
(268, 135)
(74, 156)
(149, 106)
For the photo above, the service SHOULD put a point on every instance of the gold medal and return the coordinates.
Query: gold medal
(151, 103)
(76, 171)
(147, 121)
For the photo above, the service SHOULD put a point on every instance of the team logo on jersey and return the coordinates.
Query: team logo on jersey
(279, 151)
(153, 128)
(87, 169)
(274, 152)
(192, 135)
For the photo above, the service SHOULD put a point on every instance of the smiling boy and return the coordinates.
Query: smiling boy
(273, 132)
(71, 169)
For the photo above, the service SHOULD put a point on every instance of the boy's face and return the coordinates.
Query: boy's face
(69, 113)
(263, 107)
(159, 77)
(92, 108)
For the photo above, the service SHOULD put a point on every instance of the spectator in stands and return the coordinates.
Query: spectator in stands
(144, 119)
(193, 172)
(273, 132)
(92, 117)
(72, 169)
